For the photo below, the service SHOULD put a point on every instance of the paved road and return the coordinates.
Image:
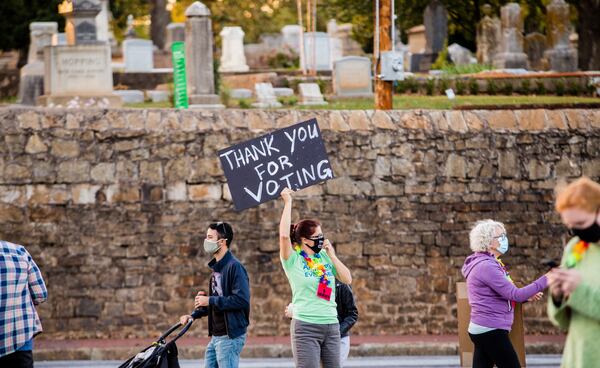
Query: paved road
(537, 361)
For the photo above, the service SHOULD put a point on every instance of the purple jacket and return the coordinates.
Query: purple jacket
(490, 292)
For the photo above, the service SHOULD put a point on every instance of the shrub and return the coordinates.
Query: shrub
(574, 88)
(507, 88)
(540, 88)
(473, 86)
(559, 87)
(525, 86)
(401, 87)
(492, 88)
(443, 85)
(461, 87)
(429, 86)
(244, 103)
(288, 101)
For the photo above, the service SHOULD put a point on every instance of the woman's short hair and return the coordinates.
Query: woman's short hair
(583, 193)
(482, 234)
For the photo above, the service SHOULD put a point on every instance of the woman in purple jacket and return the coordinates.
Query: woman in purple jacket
(492, 296)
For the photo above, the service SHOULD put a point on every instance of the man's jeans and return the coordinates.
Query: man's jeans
(223, 352)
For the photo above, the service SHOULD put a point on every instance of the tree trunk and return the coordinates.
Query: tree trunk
(160, 19)
(383, 89)
(589, 29)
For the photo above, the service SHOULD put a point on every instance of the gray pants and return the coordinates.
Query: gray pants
(314, 344)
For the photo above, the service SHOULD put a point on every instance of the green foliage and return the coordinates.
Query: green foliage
(507, 88)
(574, 88)
(284, 61)
(442, 60)
(540, 88)
(413, 85)
(525, 87)
(244, 103)
(492, 87)
(559, 87)
(401, 87)
(429, 86)
(225, 95)
(473, 86)
(443, 85)
(452, 69)
(17, 14)
(288, 101)
(461, 86)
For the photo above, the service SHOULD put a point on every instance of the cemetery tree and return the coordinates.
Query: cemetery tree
(588, 29)
(160, 18)
(14, 30)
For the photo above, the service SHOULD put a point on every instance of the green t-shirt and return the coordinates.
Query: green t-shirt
(308, 307)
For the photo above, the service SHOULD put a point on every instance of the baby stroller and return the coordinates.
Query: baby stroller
(160, 354)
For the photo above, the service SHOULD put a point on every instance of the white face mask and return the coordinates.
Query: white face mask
(211, 247)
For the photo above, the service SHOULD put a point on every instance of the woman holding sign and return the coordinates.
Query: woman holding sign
(311, 266)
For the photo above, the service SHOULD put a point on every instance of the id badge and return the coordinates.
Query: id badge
(324, 292)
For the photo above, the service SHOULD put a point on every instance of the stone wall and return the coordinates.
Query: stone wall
(114, 204)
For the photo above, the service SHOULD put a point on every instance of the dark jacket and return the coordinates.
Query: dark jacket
(346, 307)
(235, 302)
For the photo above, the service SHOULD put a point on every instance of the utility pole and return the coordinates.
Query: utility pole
(383, 42)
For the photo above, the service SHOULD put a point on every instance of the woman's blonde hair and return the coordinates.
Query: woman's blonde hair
(482, 234)
(583, 193)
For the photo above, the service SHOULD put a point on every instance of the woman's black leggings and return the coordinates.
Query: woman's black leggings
(494, 347)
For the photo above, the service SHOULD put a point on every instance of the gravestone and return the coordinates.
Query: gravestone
(535, 46)
(158, 95)
(175, 32)
(266, 96)
(291, 37)
(199, 58)
(241, 93)
(489, 32)
(130, 96)
(283, 92)
(352, 77)
(562, 57)
(31, 82)
(80, 20)
(435, 19)
(79, 73)
(417, 42)
(317, 51)
(59, 39)
(138, 55)
(460, 55)
(420, 59)
(232, 50)
(511, 55)
(311, 94)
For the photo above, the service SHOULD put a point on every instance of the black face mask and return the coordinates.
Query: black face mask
(590, 234)
(318, 244)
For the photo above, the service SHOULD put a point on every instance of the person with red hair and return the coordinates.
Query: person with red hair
(575, 285)
(311, 266)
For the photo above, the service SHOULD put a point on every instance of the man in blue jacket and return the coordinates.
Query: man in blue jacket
(227, 304)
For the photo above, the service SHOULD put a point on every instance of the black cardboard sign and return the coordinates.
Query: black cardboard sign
(259, 169)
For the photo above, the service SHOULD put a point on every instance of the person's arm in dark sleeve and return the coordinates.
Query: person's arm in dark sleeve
(347, 298)
(200, 312)
(240, 293)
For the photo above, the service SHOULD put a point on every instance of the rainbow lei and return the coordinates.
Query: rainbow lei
(507, 274)
(316, 265)
(577, 253)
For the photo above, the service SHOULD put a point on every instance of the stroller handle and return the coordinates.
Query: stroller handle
(173, 328)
